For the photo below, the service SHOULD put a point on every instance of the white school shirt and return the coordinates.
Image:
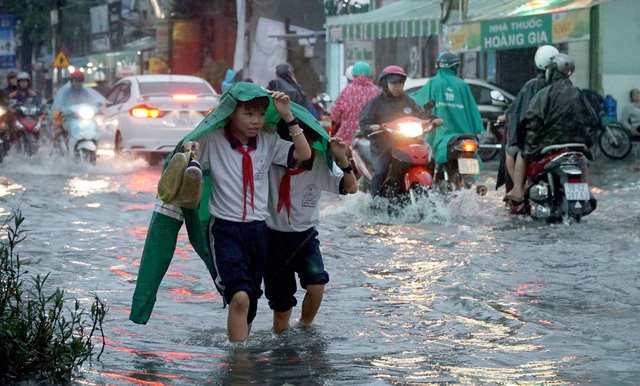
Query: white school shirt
(225, 165)
(306, 190)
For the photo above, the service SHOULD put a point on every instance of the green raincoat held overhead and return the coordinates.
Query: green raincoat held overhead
(454, 104)
(167, 220)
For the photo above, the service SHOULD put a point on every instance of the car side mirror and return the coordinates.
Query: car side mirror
(497, 99)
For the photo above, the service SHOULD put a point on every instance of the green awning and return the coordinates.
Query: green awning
(406, 18)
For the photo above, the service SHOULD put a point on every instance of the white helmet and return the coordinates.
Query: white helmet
(349, 73)
(544, 55)
(99, 76)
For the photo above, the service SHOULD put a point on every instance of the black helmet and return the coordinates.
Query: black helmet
(447, 59)
(11, 74)
(563, 63)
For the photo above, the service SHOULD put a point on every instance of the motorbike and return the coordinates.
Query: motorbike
(556, 190)
(24, 121)
(321, 102)
(491, 141)
(461, 167)
(412, 159)
(5, 140)
(81, 132)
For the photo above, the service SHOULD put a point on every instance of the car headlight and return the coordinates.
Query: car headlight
(86, 112)
(410, 129)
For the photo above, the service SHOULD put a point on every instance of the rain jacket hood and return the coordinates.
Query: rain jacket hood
(454, 104)
(167, 220)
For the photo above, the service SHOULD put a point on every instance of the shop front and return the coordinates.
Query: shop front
(403, 33)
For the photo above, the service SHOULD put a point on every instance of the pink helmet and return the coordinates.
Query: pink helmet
(389, 70)
(77, 74)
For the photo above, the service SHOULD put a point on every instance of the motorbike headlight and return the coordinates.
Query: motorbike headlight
(86, 112)
(2, 111)
(410, 129)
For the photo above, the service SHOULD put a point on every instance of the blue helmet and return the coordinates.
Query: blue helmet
(361, 68)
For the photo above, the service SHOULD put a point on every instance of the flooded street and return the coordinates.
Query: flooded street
(465, 294)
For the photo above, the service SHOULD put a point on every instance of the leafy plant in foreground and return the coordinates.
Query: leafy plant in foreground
(40, 338)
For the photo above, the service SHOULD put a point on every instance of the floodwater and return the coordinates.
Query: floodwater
(465, 294)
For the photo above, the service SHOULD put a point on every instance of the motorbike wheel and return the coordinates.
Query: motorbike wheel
(88, 156)
(614, 142)
(567, 218)
(487, 154)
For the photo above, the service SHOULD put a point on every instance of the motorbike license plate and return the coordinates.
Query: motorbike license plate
(468, 166)
(576, 191)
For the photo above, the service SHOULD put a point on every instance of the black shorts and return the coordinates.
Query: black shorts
(291, 253)
(239, 256)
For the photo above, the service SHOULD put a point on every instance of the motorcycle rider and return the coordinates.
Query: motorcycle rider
(12, 85)
(24, 93)
(74, 94)
(345, 111)
(557, 114)
(286, 82)
(516, 110)
(454, 104)
(392, 103)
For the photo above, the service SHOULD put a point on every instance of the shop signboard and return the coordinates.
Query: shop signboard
(520, 32)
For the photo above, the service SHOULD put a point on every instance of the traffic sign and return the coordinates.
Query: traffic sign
(61, 61)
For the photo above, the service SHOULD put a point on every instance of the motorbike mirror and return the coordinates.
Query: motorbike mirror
(323, 96)
(429, 105)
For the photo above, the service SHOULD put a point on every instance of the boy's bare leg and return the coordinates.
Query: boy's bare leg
(237, 327)
(311, 303)
(281, 320)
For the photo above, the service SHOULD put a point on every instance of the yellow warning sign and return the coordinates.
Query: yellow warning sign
(61, 61)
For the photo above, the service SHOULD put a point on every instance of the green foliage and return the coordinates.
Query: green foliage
(39, 337)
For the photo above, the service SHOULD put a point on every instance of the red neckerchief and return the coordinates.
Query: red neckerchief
(247, 166)
(247, 177)
(284, 191)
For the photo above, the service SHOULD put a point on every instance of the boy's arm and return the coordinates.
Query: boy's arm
(339, 149)
(282, 104)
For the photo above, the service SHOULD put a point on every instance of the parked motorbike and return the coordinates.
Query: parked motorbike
(412, 163)
(556, 190)
(82, 132)
(461, 167)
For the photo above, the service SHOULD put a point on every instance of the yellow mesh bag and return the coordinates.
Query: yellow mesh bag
(171, 178)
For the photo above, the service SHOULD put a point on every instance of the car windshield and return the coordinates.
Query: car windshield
(173, 88)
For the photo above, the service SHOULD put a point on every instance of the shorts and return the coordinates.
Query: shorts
(240, 250)
(291, 253)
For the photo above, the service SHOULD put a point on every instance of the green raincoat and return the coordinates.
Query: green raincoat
(167, 220)
(454, 104)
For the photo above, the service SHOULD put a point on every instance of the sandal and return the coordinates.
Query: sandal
(516, 199)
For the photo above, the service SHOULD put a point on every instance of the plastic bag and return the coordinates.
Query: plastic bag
(181, 184)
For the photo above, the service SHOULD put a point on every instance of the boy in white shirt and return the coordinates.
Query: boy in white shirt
(238, 158)
(294, 216)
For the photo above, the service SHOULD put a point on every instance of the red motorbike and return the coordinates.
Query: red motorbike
(413, 162)
(20, 128)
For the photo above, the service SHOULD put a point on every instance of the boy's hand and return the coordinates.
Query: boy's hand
(282, 104)
(191, 145)
(338, 147)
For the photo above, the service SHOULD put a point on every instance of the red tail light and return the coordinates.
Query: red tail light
(145, 112)
(575, 179)
(205, 113)
(469, 146)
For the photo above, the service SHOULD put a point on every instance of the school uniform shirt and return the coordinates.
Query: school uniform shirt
(305, 192)
(219, 154)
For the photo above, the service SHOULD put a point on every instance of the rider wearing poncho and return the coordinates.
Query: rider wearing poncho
(454, 105)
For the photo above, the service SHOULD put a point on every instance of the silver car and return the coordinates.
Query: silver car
(148, 115)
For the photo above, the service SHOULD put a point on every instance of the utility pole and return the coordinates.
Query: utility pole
(56, 23)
